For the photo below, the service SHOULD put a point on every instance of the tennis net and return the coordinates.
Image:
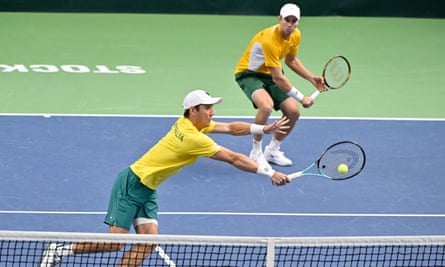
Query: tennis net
(26, 248)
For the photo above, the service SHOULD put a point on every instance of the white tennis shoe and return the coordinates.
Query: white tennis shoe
(275, 156)
(51, 256)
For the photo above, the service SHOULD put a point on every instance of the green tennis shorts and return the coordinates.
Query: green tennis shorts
(250, 81)
(130, 199)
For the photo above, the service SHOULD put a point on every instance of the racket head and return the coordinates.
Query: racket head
(336, 72)
(344, 152)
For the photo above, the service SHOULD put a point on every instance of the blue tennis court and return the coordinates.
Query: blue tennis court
(57, 173)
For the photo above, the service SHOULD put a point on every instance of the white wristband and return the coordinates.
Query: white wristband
(265, 170)
(295, 94)
(256, 129)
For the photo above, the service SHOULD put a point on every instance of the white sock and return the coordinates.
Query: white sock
(257, 146)
(275, 144)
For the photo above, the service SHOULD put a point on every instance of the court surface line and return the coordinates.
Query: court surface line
(284, 214)
(49, 115)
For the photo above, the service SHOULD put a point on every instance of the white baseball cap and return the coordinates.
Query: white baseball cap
(198, 97)
(290, 10)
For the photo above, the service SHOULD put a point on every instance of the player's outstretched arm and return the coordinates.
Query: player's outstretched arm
(245, 128)
(244, 163)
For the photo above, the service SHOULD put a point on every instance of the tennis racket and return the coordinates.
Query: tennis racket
(336, 73)
(326, 166)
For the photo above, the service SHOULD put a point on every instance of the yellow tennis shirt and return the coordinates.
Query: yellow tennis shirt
(181, 146)
(266, 49)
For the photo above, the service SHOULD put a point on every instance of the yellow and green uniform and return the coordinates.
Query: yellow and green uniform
(266, 49)
(134, 193)
(181, 146)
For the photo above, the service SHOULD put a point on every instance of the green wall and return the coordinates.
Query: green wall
(386, 8)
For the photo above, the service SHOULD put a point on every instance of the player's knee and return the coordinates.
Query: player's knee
(265, 109)
(292, 115)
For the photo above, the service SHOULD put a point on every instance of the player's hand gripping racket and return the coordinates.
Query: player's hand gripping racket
(336, 73)
(327, 165)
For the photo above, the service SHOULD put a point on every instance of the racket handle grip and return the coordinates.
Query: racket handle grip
(295, 175)
(315, 94)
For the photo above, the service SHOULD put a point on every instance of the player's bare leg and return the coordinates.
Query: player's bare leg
(136, 255)
(91, 247)
(264, 105)
(53, 255)
(290, 109)
(272, 153)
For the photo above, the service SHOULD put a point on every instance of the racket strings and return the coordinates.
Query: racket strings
(344, 153)
(336, 72)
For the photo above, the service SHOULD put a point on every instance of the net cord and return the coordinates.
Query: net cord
(223, 240)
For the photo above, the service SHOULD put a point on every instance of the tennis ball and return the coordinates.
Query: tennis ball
(342, 168)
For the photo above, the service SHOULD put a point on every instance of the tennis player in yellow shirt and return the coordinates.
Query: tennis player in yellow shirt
(133, 199)
(260, 75)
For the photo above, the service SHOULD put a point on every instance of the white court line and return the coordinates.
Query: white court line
(49, 115)
(193, 213)
(165, 257)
